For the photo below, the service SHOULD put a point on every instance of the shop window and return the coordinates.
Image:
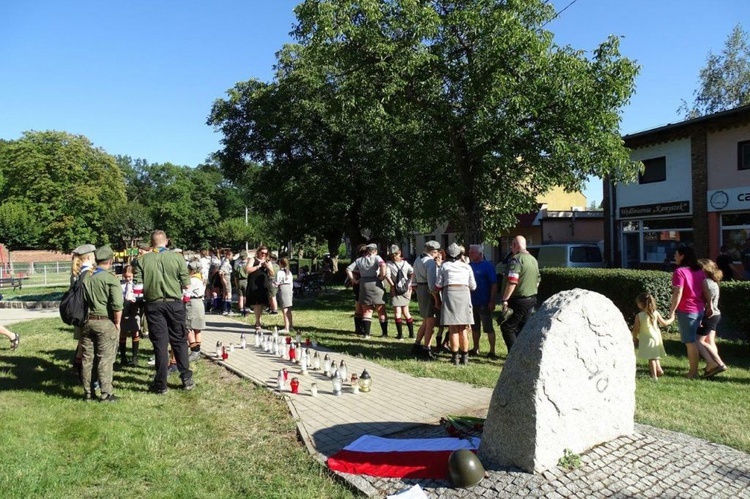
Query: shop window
(655, 170)
(659, 245)
(743, 155)
(735, 229)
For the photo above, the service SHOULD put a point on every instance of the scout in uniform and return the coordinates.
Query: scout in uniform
(101, 331)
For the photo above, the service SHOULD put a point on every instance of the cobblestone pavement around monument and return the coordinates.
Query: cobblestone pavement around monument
(650, 463)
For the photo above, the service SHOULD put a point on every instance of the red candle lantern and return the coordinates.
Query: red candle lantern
(224, 353)
(295, 385)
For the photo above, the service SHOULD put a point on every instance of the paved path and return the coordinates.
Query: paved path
(12, 315)
(397, 401)
(650, 463)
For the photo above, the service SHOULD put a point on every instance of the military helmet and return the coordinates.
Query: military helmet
(464, 468)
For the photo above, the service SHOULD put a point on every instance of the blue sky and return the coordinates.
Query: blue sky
(138, 78)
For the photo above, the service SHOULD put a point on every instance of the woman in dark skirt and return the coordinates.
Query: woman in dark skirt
(372, 270)
(259, 269)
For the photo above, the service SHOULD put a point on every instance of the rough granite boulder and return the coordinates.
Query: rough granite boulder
(568, 383)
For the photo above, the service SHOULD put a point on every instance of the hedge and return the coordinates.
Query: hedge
(623, 285)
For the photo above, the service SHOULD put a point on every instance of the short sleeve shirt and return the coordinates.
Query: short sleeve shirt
(523, 271)
(485, 276)
(691, 282)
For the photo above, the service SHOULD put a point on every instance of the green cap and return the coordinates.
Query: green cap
(103, 253)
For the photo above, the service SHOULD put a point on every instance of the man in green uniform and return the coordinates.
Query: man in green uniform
(101, 331)
(164, 276)
(519, 290)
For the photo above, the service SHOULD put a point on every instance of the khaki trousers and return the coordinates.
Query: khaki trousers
(99, 344)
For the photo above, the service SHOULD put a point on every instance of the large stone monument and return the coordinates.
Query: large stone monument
(568, 383)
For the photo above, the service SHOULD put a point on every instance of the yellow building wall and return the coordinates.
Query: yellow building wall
(559, 200)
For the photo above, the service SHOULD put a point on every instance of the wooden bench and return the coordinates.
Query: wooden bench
(15, 282)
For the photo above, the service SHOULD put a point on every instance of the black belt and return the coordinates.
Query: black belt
(421, 284)
(521, 297)
(98, 317)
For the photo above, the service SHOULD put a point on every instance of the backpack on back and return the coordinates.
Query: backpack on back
(401, 284)
(74, 310)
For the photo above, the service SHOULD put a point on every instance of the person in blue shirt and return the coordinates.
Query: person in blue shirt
(482, 299)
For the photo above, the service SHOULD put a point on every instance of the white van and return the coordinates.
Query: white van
(568, 255)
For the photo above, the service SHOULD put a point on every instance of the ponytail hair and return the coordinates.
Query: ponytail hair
(648, 303)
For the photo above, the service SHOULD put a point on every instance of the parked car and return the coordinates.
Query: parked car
(568, 255)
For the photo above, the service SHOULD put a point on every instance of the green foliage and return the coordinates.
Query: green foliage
(70, 185)
(463, 111)
(128, 221)
(622, 286)
(724, 80)
(570, 460)
(19, 228)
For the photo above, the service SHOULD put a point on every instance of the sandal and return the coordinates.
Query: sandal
(713, 372)
(14, 343)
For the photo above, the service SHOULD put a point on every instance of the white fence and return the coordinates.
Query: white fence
(38, 273)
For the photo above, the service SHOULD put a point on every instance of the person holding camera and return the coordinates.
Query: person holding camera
(259, 269)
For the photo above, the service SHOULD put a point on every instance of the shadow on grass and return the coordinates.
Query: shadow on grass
(734, 354)
(51, 373)
(38, 374)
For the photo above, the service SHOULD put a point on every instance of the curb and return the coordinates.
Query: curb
(29, 304)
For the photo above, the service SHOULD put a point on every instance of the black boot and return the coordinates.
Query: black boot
(464, 358)
(410, 327)
(454, 358)
(134, 360)
(399, 330)
(384, 328)
(366, 324)
(358, 325)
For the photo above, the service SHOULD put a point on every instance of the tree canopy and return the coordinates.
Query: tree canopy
(395, 114)
(66, 184)
(58, 191)
(724, 80)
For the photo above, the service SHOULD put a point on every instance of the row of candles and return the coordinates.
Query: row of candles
(293, 351)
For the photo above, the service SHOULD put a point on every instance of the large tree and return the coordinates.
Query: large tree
(479, 92)
(69, 185)
(313, 165)
(725, 79)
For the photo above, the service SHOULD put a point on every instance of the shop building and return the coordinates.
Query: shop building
(695, 189)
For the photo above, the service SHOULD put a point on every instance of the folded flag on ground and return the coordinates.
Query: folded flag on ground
(399, 457)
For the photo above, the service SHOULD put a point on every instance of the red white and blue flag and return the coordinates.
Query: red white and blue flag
(399, 458)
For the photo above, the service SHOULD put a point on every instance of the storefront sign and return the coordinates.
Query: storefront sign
(736, 198)
(653, 210)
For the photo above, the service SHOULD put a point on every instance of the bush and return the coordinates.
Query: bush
(622, 286)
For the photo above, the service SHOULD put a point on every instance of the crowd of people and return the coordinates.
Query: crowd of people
(166, 298)
(455, 290)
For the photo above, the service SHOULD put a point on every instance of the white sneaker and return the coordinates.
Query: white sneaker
(152, 361)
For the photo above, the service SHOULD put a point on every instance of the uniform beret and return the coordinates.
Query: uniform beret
(372, 246)
(454, 250)
(395, 249)
(84, 249)
(243, 254)
(432, 245)
(103, 253)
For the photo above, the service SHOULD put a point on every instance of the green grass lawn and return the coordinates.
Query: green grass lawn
(228, 438)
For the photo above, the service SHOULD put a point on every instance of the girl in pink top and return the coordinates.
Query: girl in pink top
(689, 301)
